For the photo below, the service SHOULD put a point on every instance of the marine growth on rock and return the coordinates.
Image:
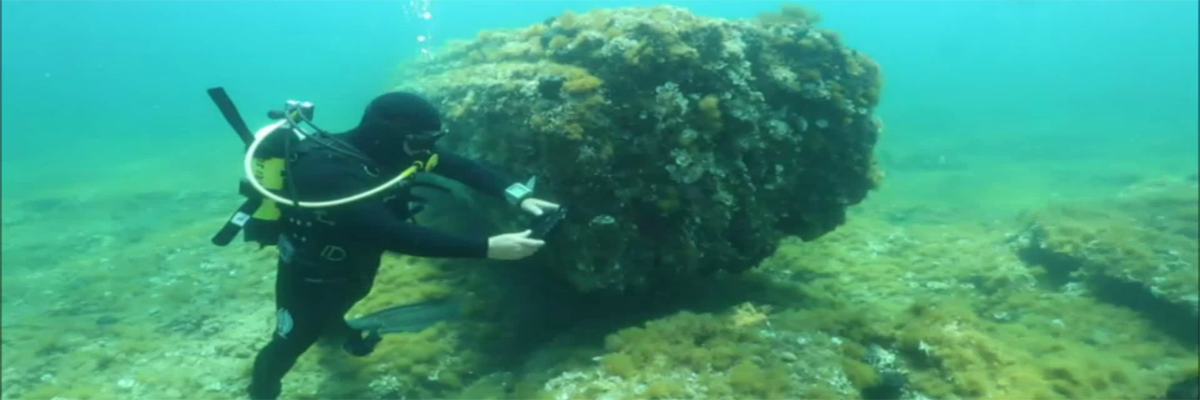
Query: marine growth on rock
(682, 144)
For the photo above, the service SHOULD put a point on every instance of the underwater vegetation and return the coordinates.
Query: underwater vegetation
(690, 355)
(1139, 250)
(994, 322)
(682, 144)
(936, 305)
(130, 301)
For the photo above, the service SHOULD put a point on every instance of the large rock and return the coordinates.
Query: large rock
(682, 144)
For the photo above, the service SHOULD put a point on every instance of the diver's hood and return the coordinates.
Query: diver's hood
(392, 119)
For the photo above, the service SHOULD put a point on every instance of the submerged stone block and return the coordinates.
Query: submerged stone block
(682, 144)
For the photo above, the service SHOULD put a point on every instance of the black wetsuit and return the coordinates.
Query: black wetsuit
(329, 257)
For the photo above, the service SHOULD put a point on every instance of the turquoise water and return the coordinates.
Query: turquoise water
(112, 82)
(991, 108)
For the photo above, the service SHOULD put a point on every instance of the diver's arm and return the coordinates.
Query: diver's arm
(370, 221)
(490, 181)
(472, 173)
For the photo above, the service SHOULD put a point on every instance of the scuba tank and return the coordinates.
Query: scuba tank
(259, 215)
(268, 153)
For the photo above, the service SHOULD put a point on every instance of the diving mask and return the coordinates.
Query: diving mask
(422, 142)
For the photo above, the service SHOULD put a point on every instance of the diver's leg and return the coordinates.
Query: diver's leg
(299, 321)
(355, 343)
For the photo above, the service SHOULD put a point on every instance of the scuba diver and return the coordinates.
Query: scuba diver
(329, 256)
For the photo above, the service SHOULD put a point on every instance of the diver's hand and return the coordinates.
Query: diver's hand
(513, 246)
(537, 207)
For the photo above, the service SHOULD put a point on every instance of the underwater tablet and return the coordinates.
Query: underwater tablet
(544, 224)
